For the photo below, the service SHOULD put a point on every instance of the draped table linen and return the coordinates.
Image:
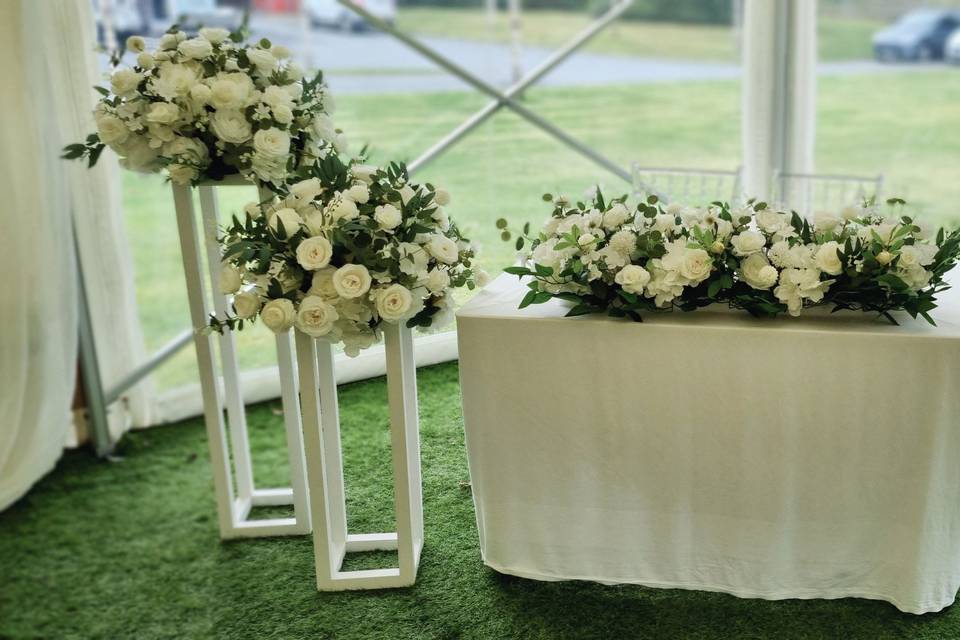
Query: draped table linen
(814, 457)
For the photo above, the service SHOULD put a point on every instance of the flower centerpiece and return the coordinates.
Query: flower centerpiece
(605, 256)
(343, 250)
(209, 106)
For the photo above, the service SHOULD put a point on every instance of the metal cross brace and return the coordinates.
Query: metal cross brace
(505, 98)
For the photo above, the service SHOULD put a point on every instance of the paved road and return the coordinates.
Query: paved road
(373, 62)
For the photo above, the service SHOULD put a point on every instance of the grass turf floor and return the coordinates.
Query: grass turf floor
(129, 549)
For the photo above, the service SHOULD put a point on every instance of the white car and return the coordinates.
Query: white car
(951, 51)
(332, 13)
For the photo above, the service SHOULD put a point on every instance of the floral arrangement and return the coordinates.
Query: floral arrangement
(210, 106)
(344, 250)
(604, 256)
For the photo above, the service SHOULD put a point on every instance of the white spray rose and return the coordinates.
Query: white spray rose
(162, 113)
(231, 126)
(111, 129)
(351, 281)
(278, 315)
(387, 216)
(231, 90)
(145, 60)
(272, 142)
(616, 216)
(394, 303)
(314, 252)
(633, 278)
(665, 223)
(771, 222)
(174, 80)
(124, 81)
(316, 316)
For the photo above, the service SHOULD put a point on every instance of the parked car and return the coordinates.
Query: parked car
(952, 51)
(333, 14)
(193, 14)
(918, 35)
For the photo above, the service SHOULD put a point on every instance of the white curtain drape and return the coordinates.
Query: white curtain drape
(51, 67)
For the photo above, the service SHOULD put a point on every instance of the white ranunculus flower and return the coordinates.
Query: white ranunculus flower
(111, 129)
(394, 303)
(215, 35)
(387, 216)
(757, 272)
(351, 280)
(358, 193)
(747, 242)
(314, 252)
(230, 279)
(195, 48)
(124, 81)
(316, 316)
(827, 259)
(437, 280)
(136, 44)
(231, 90)
(162, 113)
(174, 80)
(633, 278)
(246, 304)
(287, 219)
(272, 142)
(262, 59)
(231, 126)
(278, 315)
(443, 249)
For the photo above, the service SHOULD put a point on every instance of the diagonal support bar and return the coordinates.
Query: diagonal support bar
(491, 91)
(520, 86)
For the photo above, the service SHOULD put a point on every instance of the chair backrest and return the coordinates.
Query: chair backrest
(690, 186)
(811, 192)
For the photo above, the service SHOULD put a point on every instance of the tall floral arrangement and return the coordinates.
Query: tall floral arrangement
(606, 256)
(341, 252)
(209, 106)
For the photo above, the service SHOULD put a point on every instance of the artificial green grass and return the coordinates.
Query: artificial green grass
(130, 549)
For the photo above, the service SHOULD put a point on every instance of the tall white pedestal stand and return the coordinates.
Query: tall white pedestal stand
(233, 483)
(321, 426)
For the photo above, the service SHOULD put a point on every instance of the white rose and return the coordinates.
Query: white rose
(231, 90)
(111, 129)
(316, 316)
(586, 239)
(168, 41)
(314, 253)
(124, 81)
(322, 284)
(358, 193)
(771, 222)
(825, 221)
(230, 279)
(280, 52)
(288, 219)
(162, 113)
(437, 280)
(278, 315)
(269, 168)
(294, 90)
(747, 242)
(695, 265)
(190, 149)
(916, 255)
(341, 208)
(757, 272)
(884, 257)
(136, 44)
(443, 249)
(272, 142)
(827, 259)
(274, 96)
(200, 94)
(665, 223)
(262, 59)
(253, 210)
(633, 278)
(282, 114)
(362, 172)
(231, 126)
(215, 35)
(246, 304)
(351, 280)
(387, 216)
(394, 303)
(174, 80)
(441, 197)
(307, 189)
(195, 48)
(616, 216)
(323, 128)
(145, 60)
(182, 174)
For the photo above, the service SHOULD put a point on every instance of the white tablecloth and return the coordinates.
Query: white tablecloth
(791, 458)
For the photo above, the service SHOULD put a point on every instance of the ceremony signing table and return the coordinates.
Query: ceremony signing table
(813, 457)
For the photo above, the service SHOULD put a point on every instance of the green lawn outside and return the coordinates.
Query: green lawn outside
(840, 38)
(904, 124)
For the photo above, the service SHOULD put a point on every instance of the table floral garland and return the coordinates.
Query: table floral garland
(210, 106)
(343, 251)
(605, 256)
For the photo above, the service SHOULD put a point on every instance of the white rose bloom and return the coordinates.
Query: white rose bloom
(272, 142)
(322, 127)
(916, 255)
(695, 265)
(231, 126)
(387, 216)
(757, 272)
(294, 90)
(168, 41)
(443, 249)
(278, 315)
(231, 90)
(633, 278)
(246, 304)
(724, 229)
(262, 59)
(136, 44)
(362, 172)
(288, 219)
(215, 35)
(437, 280)
(282, 114)
(413, 258)
(190, 149)
(269, 168)
(145, 60)
(616, 216)
(200, 95)
(230, 279)
(827, 259)
(915, 277)
(139, 156)
(394, 303)
(357, 340)
(664, 285)
(174, 80)
(274, 96)
(825, 221)
(307, 189)
(351, 280)
(771, 222)
(341, 208)
(358, 193)
(124, 81)
(316, 316)
(195, 48)
(314, 252)
(665, 223)
(111, 129)
(322, 284)
(441, 197)
(182, 174)
(162, 113)
(747, 242)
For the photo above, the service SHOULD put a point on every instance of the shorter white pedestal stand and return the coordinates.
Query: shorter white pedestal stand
(233, 483)
(321, 426)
